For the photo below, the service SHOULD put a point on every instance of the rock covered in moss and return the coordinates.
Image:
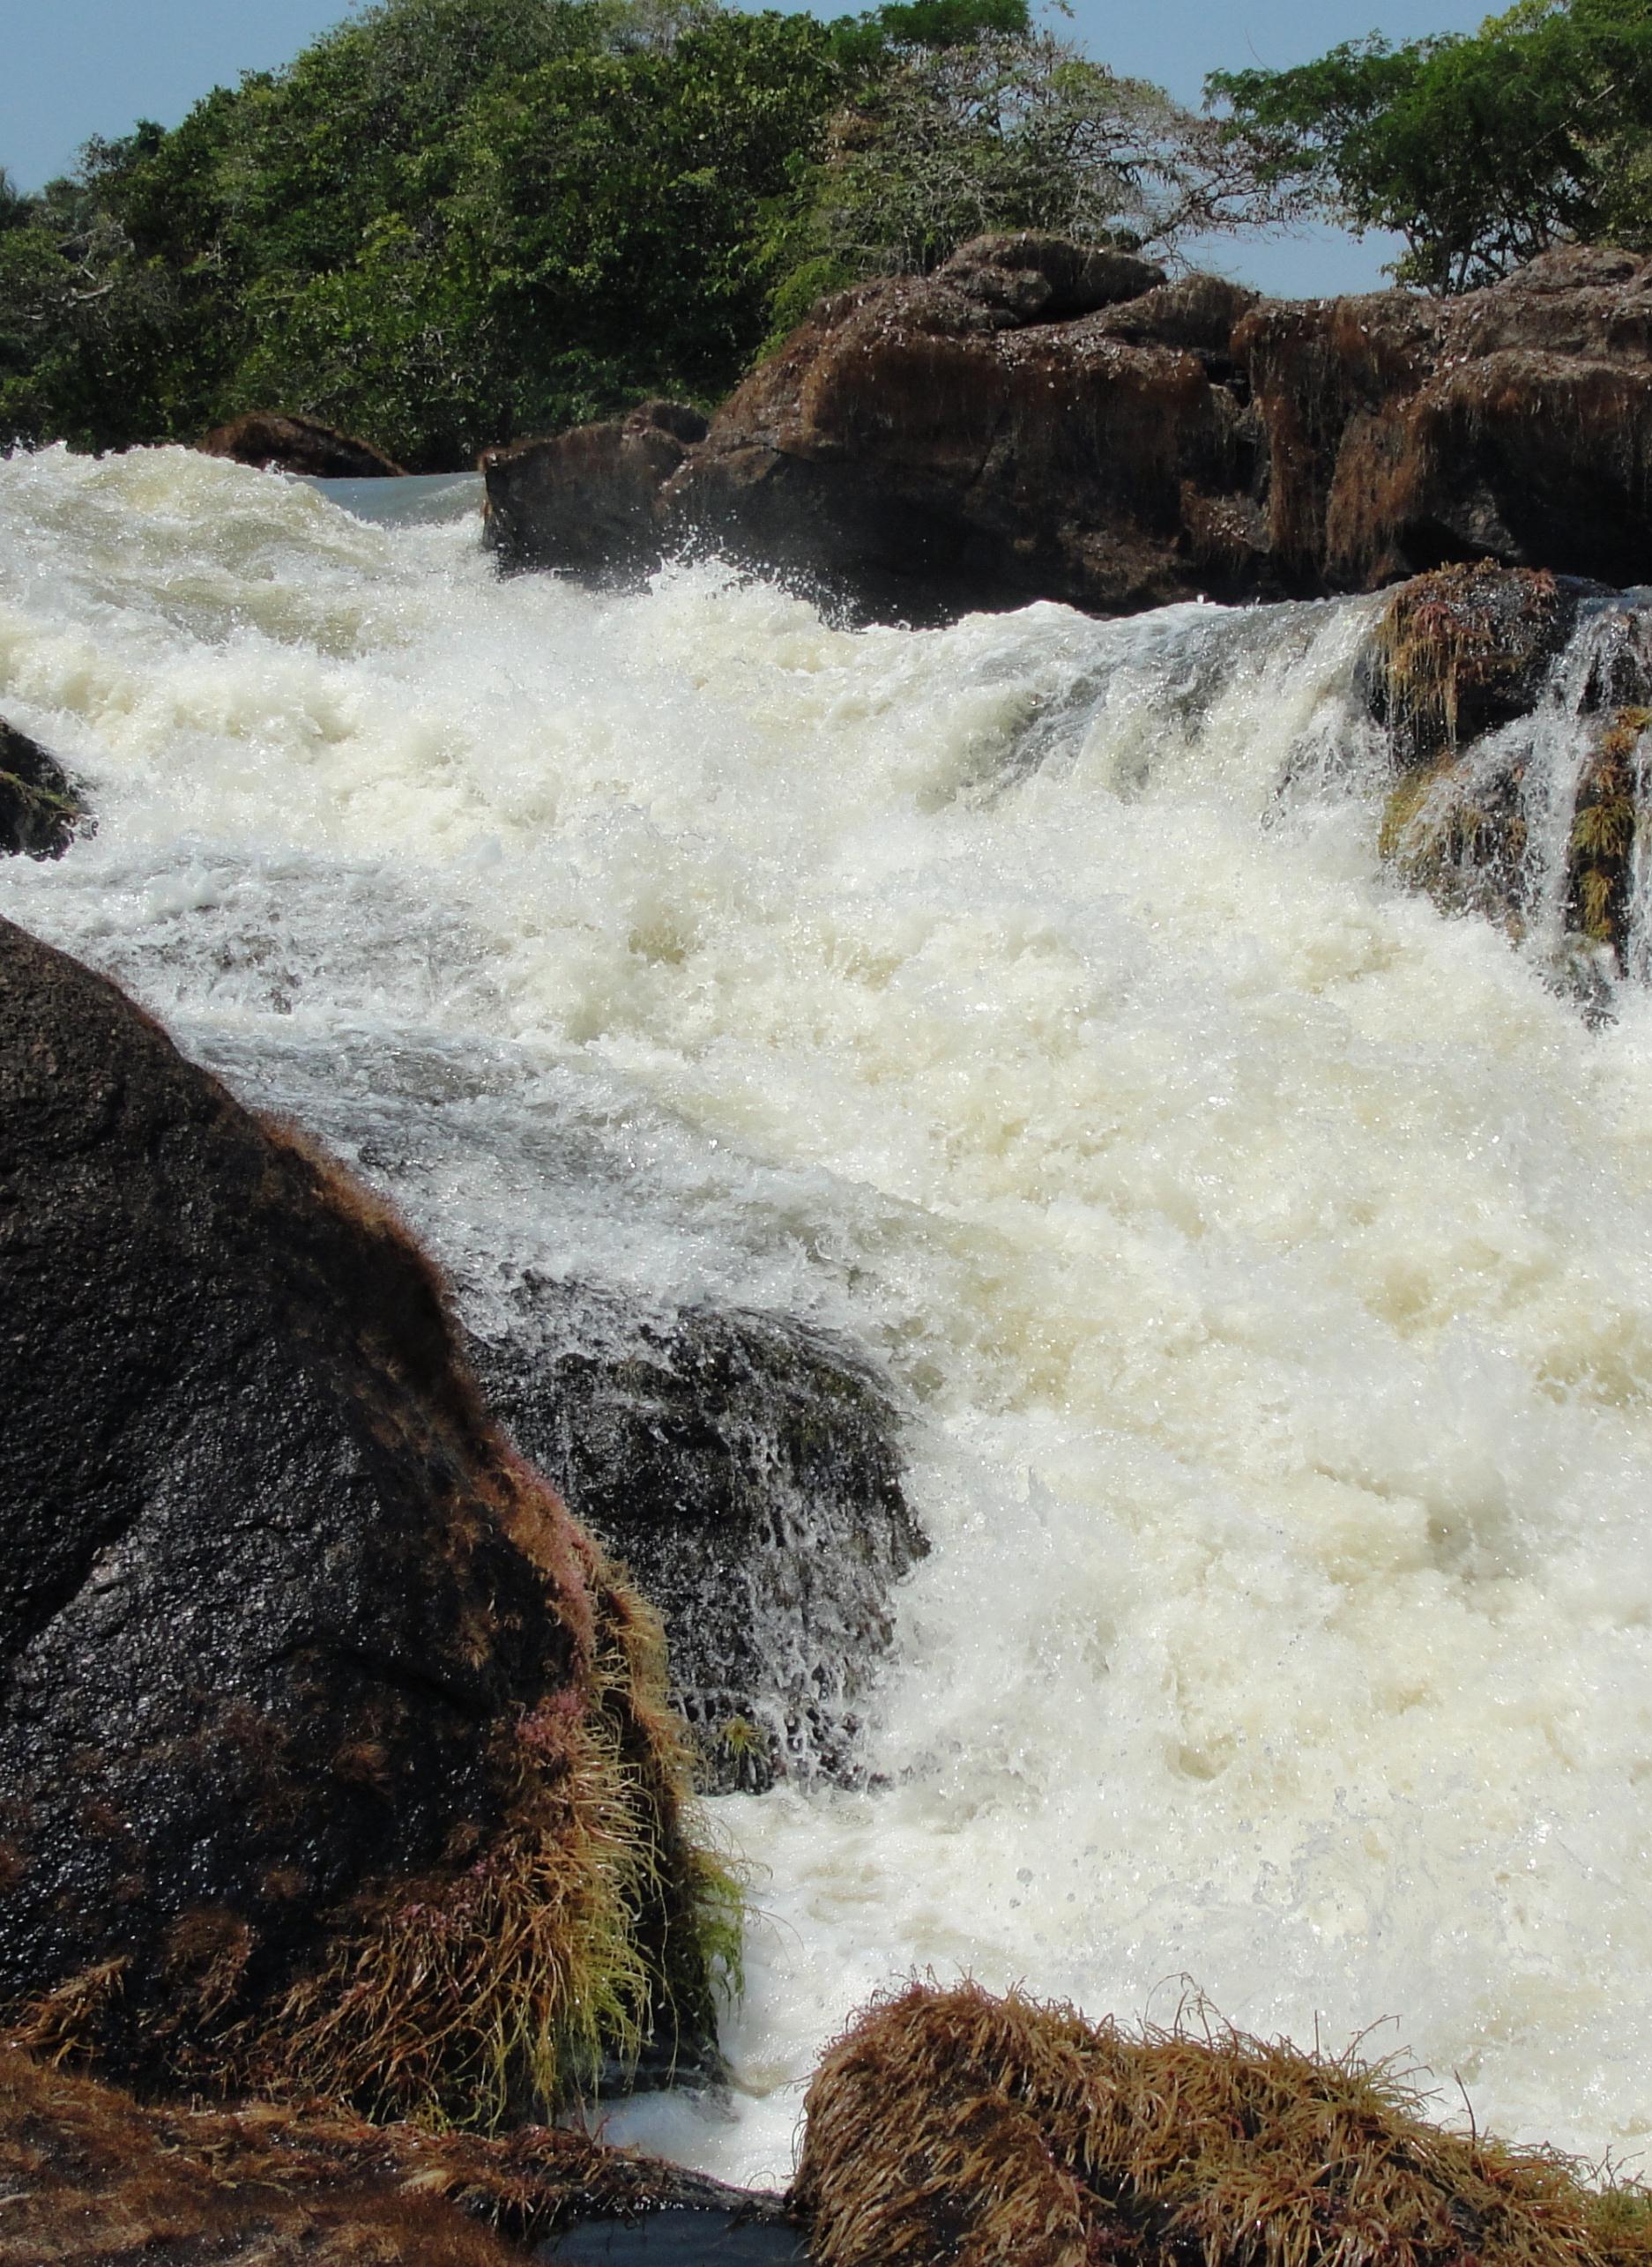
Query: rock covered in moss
(42, 808)
(332, 1752)
(954, 2126)
(1517, 706)
(89, 2176)
(746, 1470)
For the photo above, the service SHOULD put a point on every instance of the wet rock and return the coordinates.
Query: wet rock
(589, 500)
(1043, 419)
(1513, 423)
(278, 443)
(89, 2176)
(42, 808)
(332, 1752)
(745, 1470)
(1516, 707)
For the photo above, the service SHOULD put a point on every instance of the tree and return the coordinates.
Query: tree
(1006, 132)
(451, 221)
(1479, 151)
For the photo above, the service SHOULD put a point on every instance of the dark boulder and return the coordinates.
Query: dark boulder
(332, 1755)
(91, 2177)
(275, 441)
(1042, 419)
(744, 1470)
(589, 500)
(42, 808)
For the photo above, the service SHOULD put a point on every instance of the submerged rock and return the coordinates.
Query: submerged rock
(88, 2177)
(333, 1757)
(744, 1468)
(1042, 420)
(274, 442)
(42, 808)
(1517, 706)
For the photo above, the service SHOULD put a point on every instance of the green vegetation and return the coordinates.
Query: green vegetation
(1481, 151)
(450, 222)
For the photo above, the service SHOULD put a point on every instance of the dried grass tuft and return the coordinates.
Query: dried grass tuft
(495, 1994)
(955, 2125)
(1456, 633)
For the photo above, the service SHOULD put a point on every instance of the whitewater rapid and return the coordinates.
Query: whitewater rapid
(1261, 1261)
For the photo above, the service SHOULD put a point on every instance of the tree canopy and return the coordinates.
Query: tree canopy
(1480, 150)
(451, 221)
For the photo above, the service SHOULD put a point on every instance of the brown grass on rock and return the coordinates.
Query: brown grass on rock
(89, 2178)
(954, 2126)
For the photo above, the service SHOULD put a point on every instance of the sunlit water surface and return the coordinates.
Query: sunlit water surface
(1260, 1260)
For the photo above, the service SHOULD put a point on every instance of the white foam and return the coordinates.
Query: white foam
(1262, 1259)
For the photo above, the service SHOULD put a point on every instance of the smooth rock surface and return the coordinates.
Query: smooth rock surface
(744, 1470)
(275, 441)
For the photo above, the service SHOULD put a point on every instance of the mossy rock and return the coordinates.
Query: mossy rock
(952, 2125)
(1464, 649)
(42, 808)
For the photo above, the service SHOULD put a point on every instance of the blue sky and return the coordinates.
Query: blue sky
(75, 68)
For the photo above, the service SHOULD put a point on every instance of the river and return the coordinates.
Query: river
(1261, 1262)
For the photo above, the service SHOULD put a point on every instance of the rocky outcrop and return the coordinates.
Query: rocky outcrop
(954, 2126)
(1516, 705)
(42, 808)
(88, 2177)
(744, 1470)
(586, 501)
(1035, 420)
(274, 442)
(332, 1753)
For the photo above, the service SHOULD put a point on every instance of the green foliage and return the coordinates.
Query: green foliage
(452, 221)
(1480, 151)
(1006, 131)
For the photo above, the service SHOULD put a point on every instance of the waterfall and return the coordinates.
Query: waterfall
(1253, 1260)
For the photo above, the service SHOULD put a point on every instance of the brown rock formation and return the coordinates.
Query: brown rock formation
(1039, 421)
(274, 442)
(87, 2178)
(1516, 705)
(586, 500)
(331, 1751)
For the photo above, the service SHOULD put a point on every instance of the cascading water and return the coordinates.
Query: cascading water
(1260, 1260)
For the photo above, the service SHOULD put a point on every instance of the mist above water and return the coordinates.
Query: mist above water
(1260, 1260)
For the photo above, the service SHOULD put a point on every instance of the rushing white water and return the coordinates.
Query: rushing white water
(1263, 1259)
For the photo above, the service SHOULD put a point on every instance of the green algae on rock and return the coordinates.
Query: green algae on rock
(1515, 706)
